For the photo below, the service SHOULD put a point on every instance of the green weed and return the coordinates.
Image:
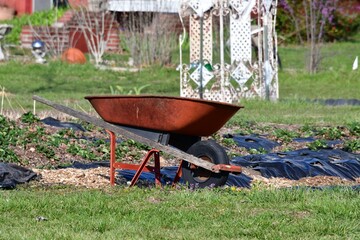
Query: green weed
(354, 128)
(285, 135)
(330, 133)
(29, 117)
(46, 151)
(118, 90)
(257, 151)
(307, 130)
(228, 142)
(317, 144)
(352, 145)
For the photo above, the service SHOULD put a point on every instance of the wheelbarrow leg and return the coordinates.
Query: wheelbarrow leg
(178, 174)
(139, 168)
(143, 164)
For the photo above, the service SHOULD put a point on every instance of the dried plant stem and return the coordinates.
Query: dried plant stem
(34, 107)
(2, 100)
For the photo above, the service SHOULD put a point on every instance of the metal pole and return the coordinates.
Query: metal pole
(222, 61)
(201, 56)
(266, 59)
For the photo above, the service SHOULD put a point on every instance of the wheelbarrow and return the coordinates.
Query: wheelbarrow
(173, 125)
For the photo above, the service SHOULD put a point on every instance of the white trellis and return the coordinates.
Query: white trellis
(233, 50)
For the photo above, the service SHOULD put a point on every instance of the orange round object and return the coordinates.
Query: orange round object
(73, 55)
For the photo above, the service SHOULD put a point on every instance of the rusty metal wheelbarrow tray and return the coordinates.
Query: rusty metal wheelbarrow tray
(185, 116)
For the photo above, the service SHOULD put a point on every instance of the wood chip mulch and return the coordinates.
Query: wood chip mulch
(99, 178)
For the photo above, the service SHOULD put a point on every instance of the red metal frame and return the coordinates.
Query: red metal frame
(139, 168)
(143, 167)
(226, 167)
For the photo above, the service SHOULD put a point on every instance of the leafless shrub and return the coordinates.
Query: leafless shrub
(313, 15)
(317, 13)
(149, 37)
(96, 28)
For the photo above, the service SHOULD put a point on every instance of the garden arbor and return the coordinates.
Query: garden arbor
(233, 50)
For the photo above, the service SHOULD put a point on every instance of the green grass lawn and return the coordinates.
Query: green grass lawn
(68, 84)
(64, 82)
(179, 214)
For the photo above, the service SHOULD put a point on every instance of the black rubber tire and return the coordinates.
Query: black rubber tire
(211, 151)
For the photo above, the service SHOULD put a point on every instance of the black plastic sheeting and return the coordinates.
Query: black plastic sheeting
(168, 175)
(303, 163)
(253, 142)
(262, 143)
(12, 174)
(56, 123)
(329, 143)
(338, 102)
(292, 165)
(300, 163)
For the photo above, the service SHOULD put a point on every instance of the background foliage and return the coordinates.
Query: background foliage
(343, 25)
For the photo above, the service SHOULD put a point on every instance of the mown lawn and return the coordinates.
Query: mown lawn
(68, 84)
(118, 213)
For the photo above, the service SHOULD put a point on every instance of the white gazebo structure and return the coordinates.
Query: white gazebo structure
(233, 50)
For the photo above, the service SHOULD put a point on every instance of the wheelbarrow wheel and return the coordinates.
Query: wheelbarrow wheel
(209, 151)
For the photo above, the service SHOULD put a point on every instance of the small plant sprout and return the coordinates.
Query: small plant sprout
(285, 135)
(352, 145)
(331, 133)
(318, 144)
(119, 90)
(354, 128)
(257, 151)
(228, 142)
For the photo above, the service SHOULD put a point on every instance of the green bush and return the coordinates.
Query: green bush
(36, 19)
(341, 27)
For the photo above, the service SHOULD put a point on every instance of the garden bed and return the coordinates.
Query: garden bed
(52, 149)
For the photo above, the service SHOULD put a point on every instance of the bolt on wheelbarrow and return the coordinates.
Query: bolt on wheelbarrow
(173, 125)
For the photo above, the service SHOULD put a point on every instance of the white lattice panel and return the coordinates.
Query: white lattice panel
(240, 30)
(215, 94)
(195, 39)
(240, 39)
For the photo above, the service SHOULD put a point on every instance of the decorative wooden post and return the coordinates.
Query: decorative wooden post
(233, 50)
